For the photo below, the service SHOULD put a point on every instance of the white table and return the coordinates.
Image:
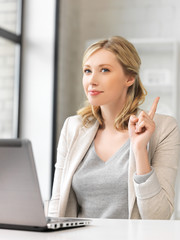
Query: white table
(106, 230)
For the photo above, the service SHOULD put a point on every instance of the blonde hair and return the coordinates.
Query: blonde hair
(130, 61)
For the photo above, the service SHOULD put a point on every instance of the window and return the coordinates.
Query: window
(10, 66)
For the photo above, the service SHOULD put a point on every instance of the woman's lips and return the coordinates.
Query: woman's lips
(94, 92)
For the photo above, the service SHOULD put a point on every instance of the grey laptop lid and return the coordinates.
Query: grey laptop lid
(21, 205)
(20, 199)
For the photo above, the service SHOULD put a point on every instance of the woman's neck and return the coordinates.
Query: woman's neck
(109, 116)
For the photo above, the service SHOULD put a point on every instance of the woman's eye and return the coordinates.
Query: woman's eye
(105, 70)
(87, 71)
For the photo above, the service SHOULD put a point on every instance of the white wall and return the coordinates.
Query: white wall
(37, 84)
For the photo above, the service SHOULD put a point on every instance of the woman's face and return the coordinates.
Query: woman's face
(104, 80)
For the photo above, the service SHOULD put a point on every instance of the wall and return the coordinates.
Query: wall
(69, 60)
(84, 20)
(37, 84)
(137, 19)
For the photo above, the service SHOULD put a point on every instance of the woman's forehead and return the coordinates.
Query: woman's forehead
(101, 56)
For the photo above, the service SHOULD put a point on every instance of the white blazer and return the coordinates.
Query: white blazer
(153, 199)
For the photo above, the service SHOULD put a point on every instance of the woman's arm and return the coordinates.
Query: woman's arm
(59, 166)
(141, 129)
(155, 196)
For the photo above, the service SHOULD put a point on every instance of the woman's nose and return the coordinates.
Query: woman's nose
(93, 80)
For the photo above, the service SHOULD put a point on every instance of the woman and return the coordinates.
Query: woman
(114, 160)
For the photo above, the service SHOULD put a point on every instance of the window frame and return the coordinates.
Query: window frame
(16, 38)
(55, 88)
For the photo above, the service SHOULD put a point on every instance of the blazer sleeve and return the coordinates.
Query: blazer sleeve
(155, 197)
(53, 209)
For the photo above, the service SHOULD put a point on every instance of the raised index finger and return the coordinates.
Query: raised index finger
(153, 108)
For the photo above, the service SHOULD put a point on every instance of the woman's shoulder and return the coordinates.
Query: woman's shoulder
(166, 128)
(75, 124)
(162, 120)
(73, 128)
(72, 124)
(166, 125)
(75, 120)
(165, 121)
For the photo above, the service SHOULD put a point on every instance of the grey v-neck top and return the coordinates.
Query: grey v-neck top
(101, 187)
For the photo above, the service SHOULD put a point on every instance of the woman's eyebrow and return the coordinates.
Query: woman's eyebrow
(100, 65)
(105, 64)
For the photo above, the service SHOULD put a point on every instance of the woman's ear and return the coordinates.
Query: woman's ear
(130, 81)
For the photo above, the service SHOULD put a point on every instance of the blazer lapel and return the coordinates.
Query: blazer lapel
(75, 156)
(131, 171)
(84, 140)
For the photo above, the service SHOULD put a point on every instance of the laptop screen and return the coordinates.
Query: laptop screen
(20, 198)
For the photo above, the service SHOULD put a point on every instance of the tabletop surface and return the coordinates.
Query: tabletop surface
(106, 229)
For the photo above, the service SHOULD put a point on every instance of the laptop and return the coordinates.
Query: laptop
(21, 205)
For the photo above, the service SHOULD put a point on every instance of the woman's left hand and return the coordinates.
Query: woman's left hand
(142, 127)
